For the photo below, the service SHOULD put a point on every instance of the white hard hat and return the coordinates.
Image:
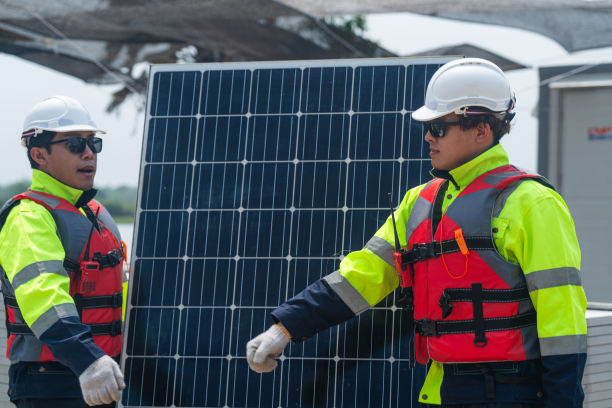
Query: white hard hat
(463, 83)
(58, 114)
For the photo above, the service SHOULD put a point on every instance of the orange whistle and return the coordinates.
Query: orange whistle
(461, 242)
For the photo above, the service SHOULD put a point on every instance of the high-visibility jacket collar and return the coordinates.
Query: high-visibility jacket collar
(45, 183)
(463, 175)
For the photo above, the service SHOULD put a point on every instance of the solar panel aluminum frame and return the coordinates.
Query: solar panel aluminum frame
(195, 113)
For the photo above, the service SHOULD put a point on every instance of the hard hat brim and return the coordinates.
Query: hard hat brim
(72, 128)
(424, 114)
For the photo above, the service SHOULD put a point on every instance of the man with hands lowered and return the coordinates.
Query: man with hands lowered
(490, 263)
(61, 261)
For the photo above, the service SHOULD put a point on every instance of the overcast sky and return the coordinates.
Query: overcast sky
(23, 84)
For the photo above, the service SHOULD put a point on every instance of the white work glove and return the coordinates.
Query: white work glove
(102, 382)
(262, 350)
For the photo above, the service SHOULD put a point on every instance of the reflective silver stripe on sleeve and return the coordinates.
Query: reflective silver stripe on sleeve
(551, 346)
(552, 278)
(38, 268)
(51, 316)
(349, 295)
(382, 249)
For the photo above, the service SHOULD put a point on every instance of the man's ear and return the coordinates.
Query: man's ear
(39, 155)
(484, 134)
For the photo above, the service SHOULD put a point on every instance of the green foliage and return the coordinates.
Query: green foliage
(352, 24)
(119, 201)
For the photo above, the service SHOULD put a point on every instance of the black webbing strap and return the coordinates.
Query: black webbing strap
(10, 301)
(113, 258)
(440, 327)
(422, 252)
(70, 265)
(480, 340)
(93, 302)
(486, 295)
(113, 328)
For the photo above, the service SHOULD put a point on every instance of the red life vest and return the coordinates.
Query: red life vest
(94, 262)
(470, 304)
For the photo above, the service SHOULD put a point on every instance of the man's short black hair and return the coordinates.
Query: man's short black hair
(39, 140)
(498, 122)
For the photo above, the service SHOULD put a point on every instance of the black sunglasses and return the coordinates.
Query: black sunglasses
(437, 129)
(77, 144)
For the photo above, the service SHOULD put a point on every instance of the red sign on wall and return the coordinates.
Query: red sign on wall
(600, 133)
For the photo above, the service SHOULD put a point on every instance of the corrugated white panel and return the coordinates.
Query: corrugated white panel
(597, 380)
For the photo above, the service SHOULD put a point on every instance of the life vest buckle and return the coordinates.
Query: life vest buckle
(427, 328)
(445, 304)
(422, 252)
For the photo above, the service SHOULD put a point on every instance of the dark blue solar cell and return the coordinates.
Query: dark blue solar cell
(166, 186)
(221, 138)
(265, 233)
(209, 282)
(367, 335)
(403, 334)
(268, 185)
(213, 233)
(327, 89)
(360, 227)
(369, 183)
(147, 323)
(406, 384)
(171, 140)
(414, 139)
(317, 233)
(246, 322)
(321, 345)
(217, 186)
(324, 137)
(146, 290)
(272, 138)
(320, 185)
(308, 383)
(303, 272)
(176, 93)
(379, 89)
(417, 78)
(275, 91)
(192, 373)
(205, 331)
(376, 136)
(247, 388)
(161, 234)
(261, 282)
(150, 382)
(363, 383)
(415, 172)
(225, 92)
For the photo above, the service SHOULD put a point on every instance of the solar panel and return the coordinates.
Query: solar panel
(256, 179)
